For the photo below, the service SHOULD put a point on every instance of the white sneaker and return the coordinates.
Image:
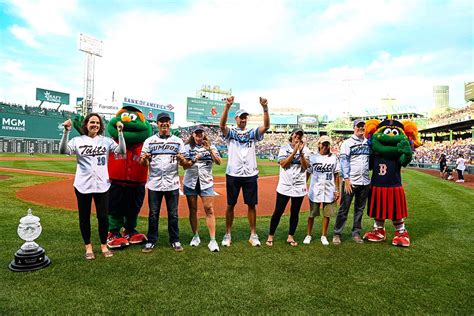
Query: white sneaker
(226, 240)
(213, 246)
(324, 241)
(253, 240)
(307, 240)
(195, 241)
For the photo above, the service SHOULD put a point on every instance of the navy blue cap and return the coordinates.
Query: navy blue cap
(198, 128)
(163, 115)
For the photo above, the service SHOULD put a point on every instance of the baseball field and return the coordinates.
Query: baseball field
(434, 275)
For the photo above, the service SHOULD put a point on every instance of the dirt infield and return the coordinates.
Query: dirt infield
(61, 194)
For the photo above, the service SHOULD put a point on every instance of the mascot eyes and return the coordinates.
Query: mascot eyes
(132, 116)
(388, 131)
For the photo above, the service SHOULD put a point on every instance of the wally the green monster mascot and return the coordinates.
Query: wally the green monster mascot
(128, 178)
(392, 143)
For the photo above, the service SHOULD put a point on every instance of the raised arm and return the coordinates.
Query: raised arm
(266, 117)
(222, 124)
(122, 147)
(63, 149)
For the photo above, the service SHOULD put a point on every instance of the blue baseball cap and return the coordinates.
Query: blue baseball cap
(198, 128)
(163, 115)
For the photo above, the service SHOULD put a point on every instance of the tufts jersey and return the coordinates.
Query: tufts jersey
(163, 169)
(92, 175)
(242, 161)
(323, 171)
(292, 180)
(201, 169)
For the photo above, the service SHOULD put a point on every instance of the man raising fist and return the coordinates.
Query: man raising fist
(242, 171)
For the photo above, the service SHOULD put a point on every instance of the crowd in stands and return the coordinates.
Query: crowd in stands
(268, 147)
(463, 114)
(33, 110)
(430, 152)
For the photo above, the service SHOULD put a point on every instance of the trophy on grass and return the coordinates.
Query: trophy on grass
(30, 256)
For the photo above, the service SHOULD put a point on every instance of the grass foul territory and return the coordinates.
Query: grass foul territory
(433, 276)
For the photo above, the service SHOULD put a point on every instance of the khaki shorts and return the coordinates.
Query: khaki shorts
(329, 209)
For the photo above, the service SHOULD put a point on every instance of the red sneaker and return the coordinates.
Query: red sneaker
(116, 241)
(134, 237)
(137, 238)
(401, 239)
(376, 235)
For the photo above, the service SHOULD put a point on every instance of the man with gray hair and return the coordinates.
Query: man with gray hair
(354, 157)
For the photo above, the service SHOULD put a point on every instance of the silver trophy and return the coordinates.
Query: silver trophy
(30, 256)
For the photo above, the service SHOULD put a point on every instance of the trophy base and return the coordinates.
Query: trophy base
(29, 260)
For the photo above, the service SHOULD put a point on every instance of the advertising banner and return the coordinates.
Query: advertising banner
(32, 126)
(150, 109)
(205, 111)
(52, 96)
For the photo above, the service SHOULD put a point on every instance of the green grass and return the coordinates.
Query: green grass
(69, 166)
(434, 275)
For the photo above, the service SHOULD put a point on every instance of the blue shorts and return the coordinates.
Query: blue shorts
(197, 190)
(249, 187)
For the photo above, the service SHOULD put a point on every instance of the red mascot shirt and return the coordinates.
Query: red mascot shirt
(126, 169)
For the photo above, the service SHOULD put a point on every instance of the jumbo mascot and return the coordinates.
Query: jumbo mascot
(128, 178)
(392, 144)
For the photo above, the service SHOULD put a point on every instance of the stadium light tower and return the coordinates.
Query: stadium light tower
(92, 47)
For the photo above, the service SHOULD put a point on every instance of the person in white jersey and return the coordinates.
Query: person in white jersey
(293, 161)
(354, 157)
(92, 177)
(198, 181)
(242, 171)
(460, 167)
(324, 187)
(163, 152)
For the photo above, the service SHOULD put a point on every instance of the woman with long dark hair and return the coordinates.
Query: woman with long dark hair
(198, 181)
(92, 178)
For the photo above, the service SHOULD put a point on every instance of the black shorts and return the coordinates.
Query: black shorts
(249, 187)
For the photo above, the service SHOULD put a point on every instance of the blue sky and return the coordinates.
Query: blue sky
(325, 57)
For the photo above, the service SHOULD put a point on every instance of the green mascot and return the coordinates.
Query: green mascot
(392, 143)
(128, 178)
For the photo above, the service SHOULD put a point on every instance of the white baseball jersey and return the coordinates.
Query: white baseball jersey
(354, 155)
(324, 170)
(201, 169)
(292, 180)
(163, 169)
(460, 164)
(92, 175)
(242, 161)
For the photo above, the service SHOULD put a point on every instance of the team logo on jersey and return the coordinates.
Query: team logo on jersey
(323, 167)
(164, 148)
(382, 169)
(202, 154)
(89, 150)
(363, 149)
